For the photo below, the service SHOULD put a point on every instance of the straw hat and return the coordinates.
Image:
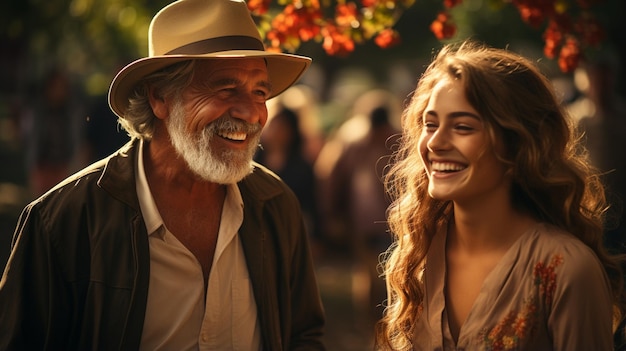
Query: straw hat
(204, 29)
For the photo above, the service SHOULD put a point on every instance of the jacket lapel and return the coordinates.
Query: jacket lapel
(261, 256)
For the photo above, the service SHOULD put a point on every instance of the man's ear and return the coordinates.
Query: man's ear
(159, 105)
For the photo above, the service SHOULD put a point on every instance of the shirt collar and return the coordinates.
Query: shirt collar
(150, 213)
(233, 205)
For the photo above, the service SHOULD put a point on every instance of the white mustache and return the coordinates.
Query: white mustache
(232, 125)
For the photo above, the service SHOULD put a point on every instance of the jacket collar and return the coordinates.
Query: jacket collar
(118, 176)
(262, 188)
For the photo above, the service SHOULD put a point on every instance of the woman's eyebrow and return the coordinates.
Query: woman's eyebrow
(456, 114)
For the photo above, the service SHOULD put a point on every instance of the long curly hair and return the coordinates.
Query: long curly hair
(552, 178)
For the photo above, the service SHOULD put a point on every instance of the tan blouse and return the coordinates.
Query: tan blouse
(549, 292)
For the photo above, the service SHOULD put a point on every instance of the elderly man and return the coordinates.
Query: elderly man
(178, 241)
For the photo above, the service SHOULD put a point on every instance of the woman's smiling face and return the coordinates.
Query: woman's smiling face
(456, 149)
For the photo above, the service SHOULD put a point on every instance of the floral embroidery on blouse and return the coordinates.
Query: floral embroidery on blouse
(509, 334)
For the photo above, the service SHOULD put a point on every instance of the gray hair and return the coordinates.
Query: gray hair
(138, 119)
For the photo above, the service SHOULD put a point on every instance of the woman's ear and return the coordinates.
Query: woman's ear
(158, 103)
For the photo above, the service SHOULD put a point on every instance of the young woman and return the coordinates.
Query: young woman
(497, 217)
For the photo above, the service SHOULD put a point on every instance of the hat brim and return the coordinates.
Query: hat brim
(283, 70)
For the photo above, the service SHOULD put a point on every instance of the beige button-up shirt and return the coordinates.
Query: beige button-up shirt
(548, 292)
(179, 315)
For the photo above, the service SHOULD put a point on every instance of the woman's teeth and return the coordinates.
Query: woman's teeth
(447, 167)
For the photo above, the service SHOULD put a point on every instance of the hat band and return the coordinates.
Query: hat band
(233, 42)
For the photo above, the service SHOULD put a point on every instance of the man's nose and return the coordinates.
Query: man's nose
(247, 109)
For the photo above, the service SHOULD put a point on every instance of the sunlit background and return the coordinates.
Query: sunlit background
(59, 56)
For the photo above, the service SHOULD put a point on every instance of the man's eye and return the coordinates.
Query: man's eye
(262, 93)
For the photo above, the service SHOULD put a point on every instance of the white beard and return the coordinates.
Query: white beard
(227, 167)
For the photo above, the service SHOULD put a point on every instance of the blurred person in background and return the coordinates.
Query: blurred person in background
(53, 132)
(282, 151)
(603, 122)
(354, 200)
(604, 127)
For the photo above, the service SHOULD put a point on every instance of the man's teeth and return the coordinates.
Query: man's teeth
(447, 167)
(233, 136)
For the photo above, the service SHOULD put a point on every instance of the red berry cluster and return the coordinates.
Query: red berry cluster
(349, 23)
(568, 31)
(340, 25)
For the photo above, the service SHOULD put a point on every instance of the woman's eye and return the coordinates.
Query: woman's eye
(464, 128)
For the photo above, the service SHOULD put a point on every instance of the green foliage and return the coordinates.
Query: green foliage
(94, 38)
(90, 38)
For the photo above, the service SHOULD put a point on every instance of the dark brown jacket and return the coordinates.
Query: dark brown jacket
(77, 277)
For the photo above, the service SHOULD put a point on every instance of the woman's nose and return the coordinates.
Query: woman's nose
(438, 140)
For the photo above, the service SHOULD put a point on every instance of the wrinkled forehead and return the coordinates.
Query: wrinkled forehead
(242, 70)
